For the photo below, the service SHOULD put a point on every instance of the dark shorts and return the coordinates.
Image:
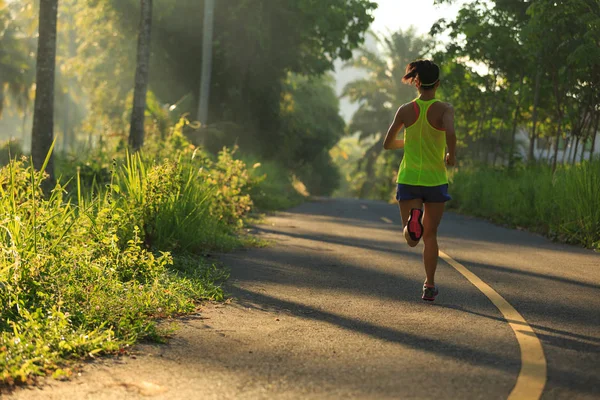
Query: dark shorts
(429, 194)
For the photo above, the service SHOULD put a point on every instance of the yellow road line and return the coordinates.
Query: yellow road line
(389, 221)
(532, 377)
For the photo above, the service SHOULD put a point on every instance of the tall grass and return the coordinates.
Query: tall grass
(564, 205)
(87, 268)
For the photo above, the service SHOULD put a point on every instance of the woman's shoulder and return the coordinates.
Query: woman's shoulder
(442, 106)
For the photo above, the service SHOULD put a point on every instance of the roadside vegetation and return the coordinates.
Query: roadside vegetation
(563, 205)
(89, 268)
(112, 196)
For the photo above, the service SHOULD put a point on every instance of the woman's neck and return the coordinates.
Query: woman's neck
(427, 95)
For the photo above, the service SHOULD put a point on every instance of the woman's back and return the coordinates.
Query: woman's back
(424, 144)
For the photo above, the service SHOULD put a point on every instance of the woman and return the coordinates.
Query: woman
(422, 179)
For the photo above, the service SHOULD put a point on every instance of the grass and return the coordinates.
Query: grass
(88, 268)
(119, 243)
(564, 206)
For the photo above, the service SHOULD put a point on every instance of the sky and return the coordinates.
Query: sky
(400, 14)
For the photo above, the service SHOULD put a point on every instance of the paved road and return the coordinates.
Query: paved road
(332, 310)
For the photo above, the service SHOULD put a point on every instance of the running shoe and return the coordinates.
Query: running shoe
(415, 227)
(429, 292)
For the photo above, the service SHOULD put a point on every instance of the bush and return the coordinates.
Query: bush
(78, 278)
(272, 187)
(565, 206)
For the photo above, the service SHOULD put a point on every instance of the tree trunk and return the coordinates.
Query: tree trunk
(557, 140)
(207, 45)
(136, 132)
(575, 150)
(559, 115)
(42, 133)
(566, 150)
(546, 155)
(588, 131)
(515, 121)
(479, 132)
(585, 140)
(594, 134)
(536, 99)
(488, 135)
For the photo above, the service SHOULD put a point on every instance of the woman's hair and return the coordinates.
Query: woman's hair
(426, 72)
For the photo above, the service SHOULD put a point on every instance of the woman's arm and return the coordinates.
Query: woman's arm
(448, 119)
(390, 142)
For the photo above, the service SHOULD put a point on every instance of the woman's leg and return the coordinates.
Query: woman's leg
(431, 220)
(405, 207)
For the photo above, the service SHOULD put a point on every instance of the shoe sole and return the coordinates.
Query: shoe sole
(415, 228)
(430, 298)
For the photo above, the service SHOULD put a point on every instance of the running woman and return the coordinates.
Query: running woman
(422, 179)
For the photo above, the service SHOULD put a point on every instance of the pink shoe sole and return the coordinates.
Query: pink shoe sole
(415, 227)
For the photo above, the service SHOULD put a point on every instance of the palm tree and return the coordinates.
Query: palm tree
(136, 133)
(381, 93)
(42, 134)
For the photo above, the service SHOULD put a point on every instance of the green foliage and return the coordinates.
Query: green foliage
(257, 44)
(272, 187)
(311, 122)
(563, 206)
(537, 68)
(68, 287)
(87, 273)
(321, 177)
(310, 126)
(228, 180)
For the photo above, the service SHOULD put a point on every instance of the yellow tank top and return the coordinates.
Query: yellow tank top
(423, 163)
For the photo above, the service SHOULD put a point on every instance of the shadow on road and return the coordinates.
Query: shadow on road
(573, 341)
(438, 346)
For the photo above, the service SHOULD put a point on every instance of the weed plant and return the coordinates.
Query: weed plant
(88, 268)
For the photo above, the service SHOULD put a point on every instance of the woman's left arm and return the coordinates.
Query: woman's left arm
(390, 142)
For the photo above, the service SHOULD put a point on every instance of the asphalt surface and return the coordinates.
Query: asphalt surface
(332, 310)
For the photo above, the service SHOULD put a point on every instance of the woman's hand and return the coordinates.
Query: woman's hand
(451, 159)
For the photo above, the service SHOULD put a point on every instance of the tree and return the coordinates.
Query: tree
(543, 57)
(257, 43)
(136, 133)
(42, 134)
(310, 127)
